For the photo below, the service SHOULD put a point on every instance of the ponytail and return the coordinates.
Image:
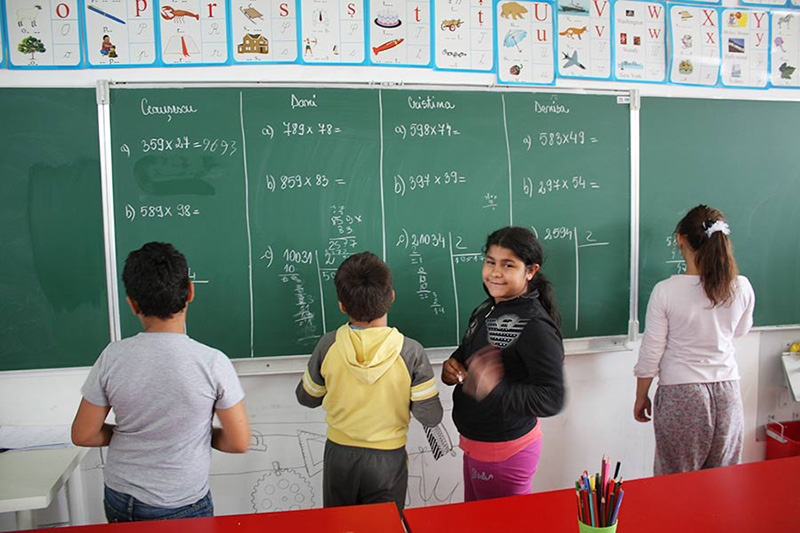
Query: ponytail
(707, 232)
(527, 247)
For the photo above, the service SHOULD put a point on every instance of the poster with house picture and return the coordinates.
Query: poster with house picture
(745, 48)
(463, 31)
(640, 41)
(584, 38)
(400, 33)
(43, 34)
(333, 31)
(694, 45)
(193, 32)
(785, 53)
(525, 43)
(119, 33)
(264, 31)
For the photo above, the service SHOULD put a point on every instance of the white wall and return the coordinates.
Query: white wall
(597, 419)
(286, 452)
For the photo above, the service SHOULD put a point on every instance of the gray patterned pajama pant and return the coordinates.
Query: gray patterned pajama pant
(697, 425)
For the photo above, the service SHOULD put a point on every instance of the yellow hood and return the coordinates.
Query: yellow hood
(369, 352)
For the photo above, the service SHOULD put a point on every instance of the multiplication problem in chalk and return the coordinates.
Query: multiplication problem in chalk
(161, 144)
(558, 138)
(423, 181)
(420, 130)
(531, 187)
(161, 211)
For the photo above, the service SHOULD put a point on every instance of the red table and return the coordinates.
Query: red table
(380, 517)
(757, 497)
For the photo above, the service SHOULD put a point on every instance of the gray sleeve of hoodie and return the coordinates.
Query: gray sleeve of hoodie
(311, 389)
(425, 404)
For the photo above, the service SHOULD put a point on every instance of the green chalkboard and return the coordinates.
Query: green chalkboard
(267, 190)
(53, 298)
(741, 157)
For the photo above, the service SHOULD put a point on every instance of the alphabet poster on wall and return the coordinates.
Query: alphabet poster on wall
(264, 31)
(695, 45)
(525, 43)
(2, 29)
(463, 33)
(193, 32)
(772, 3)
(119, 33)
(333, 31)
(400, 32)
(794, 3)
(43, 34)
(785, 49)
(640, 41)
(745, 48)
(584, 38)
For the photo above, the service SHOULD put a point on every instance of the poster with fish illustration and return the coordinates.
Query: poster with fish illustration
(745, 48)
(463, 32)
(640, 41)
(265, 31)
(43, 34)
(333, 31)
(119, 33)
(193, 32)
(785, 52)
(400, 33)
(525, 43)
(584, 38)
(694, 45)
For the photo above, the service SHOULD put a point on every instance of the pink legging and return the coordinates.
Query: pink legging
(511, 477)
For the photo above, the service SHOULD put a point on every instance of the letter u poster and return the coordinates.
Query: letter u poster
(524, 37)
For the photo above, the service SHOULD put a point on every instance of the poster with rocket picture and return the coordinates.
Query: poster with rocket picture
(193, 32)
(400, 32)
(333, 31)
(119, 33)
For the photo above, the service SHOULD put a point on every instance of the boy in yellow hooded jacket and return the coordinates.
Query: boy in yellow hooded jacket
(369, 378)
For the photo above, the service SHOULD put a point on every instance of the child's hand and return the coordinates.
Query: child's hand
(642, 409)
(486, 371)
(453, 372)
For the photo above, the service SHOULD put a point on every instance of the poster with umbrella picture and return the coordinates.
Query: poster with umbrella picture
(513, 39)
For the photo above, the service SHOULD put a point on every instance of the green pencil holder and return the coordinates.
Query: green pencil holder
(583, 528)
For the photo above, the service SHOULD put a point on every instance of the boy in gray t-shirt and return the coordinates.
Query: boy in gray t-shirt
(164, 388)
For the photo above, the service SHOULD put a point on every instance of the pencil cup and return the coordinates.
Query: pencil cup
(583, 528)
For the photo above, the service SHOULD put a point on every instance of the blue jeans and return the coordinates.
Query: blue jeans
(124, 508)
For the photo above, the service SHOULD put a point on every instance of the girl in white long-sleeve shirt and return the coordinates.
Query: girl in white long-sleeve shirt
(691, 322)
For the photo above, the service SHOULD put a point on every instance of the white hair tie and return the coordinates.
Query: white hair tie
(719, 225)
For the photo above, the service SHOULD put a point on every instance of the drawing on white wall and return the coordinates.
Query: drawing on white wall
(282, 471)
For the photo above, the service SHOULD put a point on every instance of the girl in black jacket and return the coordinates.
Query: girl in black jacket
(508, 370)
